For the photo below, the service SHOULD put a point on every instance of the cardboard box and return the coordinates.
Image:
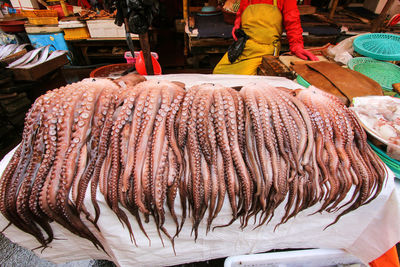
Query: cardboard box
(24, 4)
(106, 28)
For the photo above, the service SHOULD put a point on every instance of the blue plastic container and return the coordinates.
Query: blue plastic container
(55, 39)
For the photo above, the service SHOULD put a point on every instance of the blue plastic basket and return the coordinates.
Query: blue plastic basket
(382, 46)
(383, 73)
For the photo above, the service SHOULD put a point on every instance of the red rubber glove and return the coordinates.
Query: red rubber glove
(233, 33)
(236, 26)
(304, 54)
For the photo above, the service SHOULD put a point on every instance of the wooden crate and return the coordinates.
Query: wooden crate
(272, 66)
(13, 57)
(36, 72)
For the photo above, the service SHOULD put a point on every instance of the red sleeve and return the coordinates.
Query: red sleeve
(243, 5)
(291, 22)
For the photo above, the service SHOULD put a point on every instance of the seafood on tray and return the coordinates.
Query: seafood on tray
(160, 151)
(380, 115)
(35, 57)
(10, 49)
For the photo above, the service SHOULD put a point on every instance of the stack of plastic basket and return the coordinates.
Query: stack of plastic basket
(377, 49)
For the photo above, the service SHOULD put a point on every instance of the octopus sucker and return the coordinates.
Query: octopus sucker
(141, 143)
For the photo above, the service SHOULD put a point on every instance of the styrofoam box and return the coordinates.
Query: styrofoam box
(25, 4)
(106, 28)
(294, 258)
(71, 24)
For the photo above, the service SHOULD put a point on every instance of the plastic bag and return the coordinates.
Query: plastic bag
(342, 52)
(236, 49)
(139, 14)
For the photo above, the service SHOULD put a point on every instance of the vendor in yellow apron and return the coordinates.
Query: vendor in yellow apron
(263, 24)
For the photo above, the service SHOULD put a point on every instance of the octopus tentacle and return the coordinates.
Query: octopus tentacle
(14, 177)
(102, 159)
(195, 167)
(141, 173)
(257, 170)
(173, 185)
(112, 195)
(159, 154)
(176, 161)
(22, 198)
(62, 206)
(100, 113)
(240, 166)
(223, 141)
(278, 178)
(217, 170)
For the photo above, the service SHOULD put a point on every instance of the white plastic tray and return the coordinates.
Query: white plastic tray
(306, 257)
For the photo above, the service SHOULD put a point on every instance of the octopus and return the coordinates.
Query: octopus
(145, 144)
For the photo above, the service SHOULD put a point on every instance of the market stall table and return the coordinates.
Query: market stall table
(367, 232)
(87, 49)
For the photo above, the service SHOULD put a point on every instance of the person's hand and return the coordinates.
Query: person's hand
(304, 54)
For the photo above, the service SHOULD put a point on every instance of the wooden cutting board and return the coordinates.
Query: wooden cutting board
(318, 80)
(349, 82)
(337, 80)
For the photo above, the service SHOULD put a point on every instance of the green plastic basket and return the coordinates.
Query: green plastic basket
(393, 164)
(384, 73)
(382, 46)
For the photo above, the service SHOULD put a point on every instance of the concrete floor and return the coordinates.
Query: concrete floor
(12, 255)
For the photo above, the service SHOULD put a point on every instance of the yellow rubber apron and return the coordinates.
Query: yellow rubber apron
(263, 24)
